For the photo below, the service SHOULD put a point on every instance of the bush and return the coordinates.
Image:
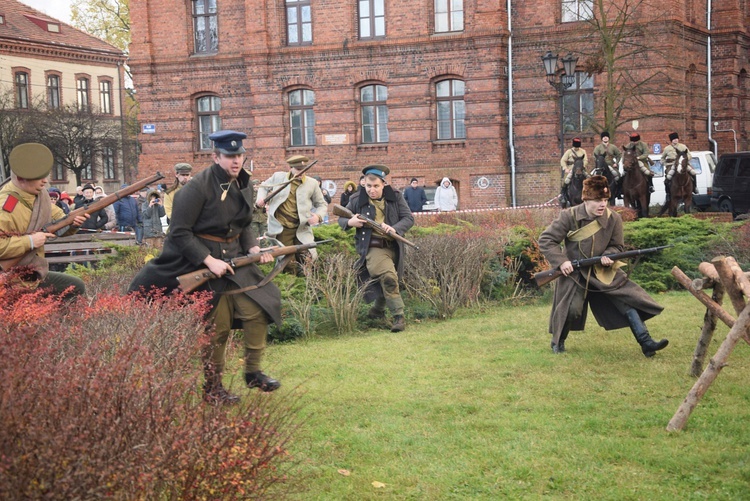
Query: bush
(100, 400)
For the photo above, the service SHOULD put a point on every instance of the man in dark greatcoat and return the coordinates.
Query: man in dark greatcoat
(588, 230)
(210, 224)
(380, 256)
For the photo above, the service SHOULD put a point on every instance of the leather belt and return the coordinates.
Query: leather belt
(379, 243)
(214, 238)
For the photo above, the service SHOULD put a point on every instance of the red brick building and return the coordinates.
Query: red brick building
(423, 86)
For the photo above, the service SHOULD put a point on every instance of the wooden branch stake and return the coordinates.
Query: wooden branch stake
(741, 327)
(701, 296)
(707, 333)
(726, 275)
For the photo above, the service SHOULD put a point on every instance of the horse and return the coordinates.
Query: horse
(635, 191)
(681, 188)
(575, 188)
(602, 169)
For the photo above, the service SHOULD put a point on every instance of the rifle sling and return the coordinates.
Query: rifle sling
(280, 265)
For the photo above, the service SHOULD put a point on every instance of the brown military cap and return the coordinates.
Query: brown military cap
(31, 161)
(297, 160)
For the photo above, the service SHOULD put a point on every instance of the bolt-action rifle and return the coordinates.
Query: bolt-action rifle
(341, 211)
(191, 281)
(545, 277)
(287, 183)
(61, 226)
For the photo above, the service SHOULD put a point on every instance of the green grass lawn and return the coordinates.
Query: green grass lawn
(478, 407)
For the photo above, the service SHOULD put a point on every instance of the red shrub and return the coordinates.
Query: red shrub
(100, 399)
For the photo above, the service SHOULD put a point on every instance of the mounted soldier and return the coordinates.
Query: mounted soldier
(669, 157)
(567, 163)
(644, 163)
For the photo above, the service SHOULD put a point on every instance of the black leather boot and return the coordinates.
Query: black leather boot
(695, 184)
(648, 345)
(214, 392)
(259, 380)
(560, 346)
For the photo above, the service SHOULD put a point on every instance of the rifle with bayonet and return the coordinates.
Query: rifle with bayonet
(60, 227)
(287, 183)
(545, 277)
(341, 211)
(191, 281)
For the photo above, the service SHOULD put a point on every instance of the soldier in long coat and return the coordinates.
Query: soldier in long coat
(296, 209)
(380, 257)
(211, 224)
(584, 231)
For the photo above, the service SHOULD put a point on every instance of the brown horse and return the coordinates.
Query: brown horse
(681, 188)
(635, 191)
(575, 188)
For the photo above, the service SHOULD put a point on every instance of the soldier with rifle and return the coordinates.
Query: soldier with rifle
(381, 245)
(294, 205)
(210, 227)
(585, 231)
(26, 210)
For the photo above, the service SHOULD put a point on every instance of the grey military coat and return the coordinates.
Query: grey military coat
(199, 210)
(608, 240)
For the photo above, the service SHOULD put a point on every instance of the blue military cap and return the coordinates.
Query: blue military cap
(228, 142)
(376, 170)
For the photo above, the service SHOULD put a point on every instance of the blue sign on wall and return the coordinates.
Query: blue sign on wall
(149, 128)
(657, 148)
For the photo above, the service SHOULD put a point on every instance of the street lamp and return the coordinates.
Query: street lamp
(567, 78)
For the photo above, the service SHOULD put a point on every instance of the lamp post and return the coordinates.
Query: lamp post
(566, 79)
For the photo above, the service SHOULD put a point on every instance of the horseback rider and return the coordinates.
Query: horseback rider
(669, 159)
(611, 154)
(644, 163)
(567, 162)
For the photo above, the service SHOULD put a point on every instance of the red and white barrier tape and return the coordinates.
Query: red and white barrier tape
(553, 202)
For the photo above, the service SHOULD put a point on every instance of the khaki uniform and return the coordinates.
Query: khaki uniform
(612, 154)
(169, 201)
(567, 161)
(14, 220)
(669, 156)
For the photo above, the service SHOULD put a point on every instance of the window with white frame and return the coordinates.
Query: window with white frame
(299, 22)
(449, 15)
(53, 92)
(105, 96)
(374, 113)
(108, 162)
(302, 117)
(205, 26)
(578, 104)
(451, 109)
(577, 10)
(371, 18)
(82, 88)
(209, 121)
(22, 90)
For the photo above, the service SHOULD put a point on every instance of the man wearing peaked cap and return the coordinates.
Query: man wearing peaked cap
(586, 230)
(567, 162)
(668, 158)
(381, 262)
(294, 211)
(25, 209)
(211, 226)
(182, 173)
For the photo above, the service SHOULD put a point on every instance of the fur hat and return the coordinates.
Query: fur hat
(634, 136)
(576, 142)
(604, 134)
(673, 136)
(595, 188)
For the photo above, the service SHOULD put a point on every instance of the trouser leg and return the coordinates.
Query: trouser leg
(575, 310)
(255, 333)
(214, 355)
(60, 282)
(381, 267)
(288, 236)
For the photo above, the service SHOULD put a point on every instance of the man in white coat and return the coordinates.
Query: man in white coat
(296, 209)
(446, 198)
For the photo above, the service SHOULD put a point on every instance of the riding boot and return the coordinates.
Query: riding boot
(695, 184)
(560, 346)
(213, 391)
(667, 191)
(619, 186)
(650, 184)
(564, 200)
(649, 347)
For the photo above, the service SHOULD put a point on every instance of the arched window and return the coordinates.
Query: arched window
(302, 117)
(374, 113)
(209, 121)
(451, 109)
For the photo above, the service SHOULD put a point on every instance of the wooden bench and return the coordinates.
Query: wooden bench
(85, 247)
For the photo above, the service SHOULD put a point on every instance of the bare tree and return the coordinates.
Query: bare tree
(614, 47)
(76, 137)
(12, 126)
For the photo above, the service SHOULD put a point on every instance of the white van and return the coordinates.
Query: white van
(704, 162)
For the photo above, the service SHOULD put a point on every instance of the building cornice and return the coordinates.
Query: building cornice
(78, 54)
